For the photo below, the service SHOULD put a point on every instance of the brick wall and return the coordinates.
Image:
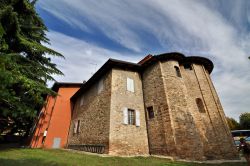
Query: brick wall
(94, 116)
(220, 137)
(179, 129)
(160, 131)
(184, 129)
(126, 139)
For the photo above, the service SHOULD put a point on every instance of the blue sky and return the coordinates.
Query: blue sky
(89, 32)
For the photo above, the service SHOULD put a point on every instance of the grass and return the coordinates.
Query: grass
(40, 157)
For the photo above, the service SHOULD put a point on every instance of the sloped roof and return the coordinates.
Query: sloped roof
(57, 85)
(111, 63)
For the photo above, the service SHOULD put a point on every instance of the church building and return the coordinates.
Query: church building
(164, 105)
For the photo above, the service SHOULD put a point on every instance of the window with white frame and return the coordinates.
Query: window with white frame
(130, 85)
(131, 117)
(100, 86)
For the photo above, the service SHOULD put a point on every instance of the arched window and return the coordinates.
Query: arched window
(200, 105)
(178, 72)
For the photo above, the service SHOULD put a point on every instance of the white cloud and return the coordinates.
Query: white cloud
(82, 59)
(192, 27)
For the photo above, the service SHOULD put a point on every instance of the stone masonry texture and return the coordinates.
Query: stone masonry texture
(127, 139)
(178, 129)
(94, 116)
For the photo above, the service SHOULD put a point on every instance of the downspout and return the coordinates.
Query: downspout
(52, 110)
(38, 120)
(51, 116)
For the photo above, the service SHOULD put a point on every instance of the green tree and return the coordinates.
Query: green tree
(25, 66)
(245, 120)
(233, 124)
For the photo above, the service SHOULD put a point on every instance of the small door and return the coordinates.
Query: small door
(56, 143)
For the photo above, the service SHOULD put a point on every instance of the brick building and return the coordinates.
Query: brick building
(164, 105)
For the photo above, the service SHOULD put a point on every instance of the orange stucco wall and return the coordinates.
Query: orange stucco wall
(56, 117)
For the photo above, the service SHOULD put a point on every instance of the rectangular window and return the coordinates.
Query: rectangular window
(178, 72)
(81, 100)
(150, 112)
(131, 117)
(78, 126)
(75, 128)
(200, 105)
(100, 86)
(130, 85)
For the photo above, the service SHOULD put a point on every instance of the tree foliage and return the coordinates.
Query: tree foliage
(233, 124)
(245, 120)
(25, 66)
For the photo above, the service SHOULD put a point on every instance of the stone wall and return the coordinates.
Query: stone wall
(179, 129)
(220, 144)
(160, 133)
(201, 119)
(93, 111)
(185, 131)
(126, 139)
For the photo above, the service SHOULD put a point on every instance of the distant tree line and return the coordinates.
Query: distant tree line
(243, 124)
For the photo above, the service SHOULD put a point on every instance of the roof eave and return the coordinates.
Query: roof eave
(111, 63)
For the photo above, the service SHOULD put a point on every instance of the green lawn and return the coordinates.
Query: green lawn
(37, 157)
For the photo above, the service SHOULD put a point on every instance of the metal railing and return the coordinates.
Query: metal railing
(88, 148)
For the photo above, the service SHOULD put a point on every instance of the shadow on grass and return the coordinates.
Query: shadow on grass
(27, 162)
(9, 146)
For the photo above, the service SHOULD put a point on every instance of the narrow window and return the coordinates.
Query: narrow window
(178, 72)
(200, 105)
(100, 86)
(187, 66)
(131, 117)
(78, 126)
(75, 128)
(81, 100)
(130, 85)
(150, 112)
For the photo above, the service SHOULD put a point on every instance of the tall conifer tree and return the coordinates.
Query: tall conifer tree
(25, 66)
